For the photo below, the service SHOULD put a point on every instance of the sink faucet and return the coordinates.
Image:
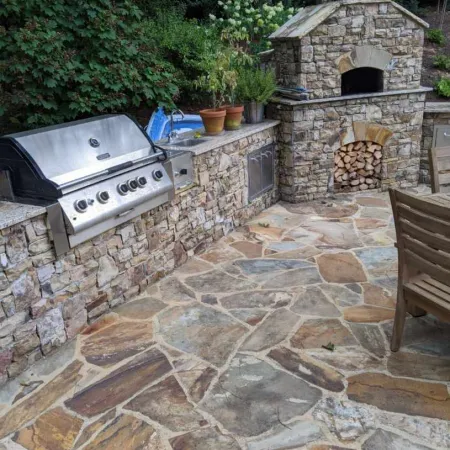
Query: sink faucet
(173, 134)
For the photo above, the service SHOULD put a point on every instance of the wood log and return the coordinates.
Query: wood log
(348, 166)
(358, 145)
(368, 166)
(369, 180)
(340, 163)
(377, 169)
(376, 162)
(354, 182)
(363, 187)
(350, 147)
(347, 158)
(360, 165)
(378, 154)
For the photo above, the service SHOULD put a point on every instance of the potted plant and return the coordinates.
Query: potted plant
(254, 88)
(221, 82)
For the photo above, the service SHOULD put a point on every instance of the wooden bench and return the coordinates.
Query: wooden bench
(423, 242)
(439, 158)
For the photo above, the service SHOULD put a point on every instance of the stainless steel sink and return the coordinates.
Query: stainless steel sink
(186, 143)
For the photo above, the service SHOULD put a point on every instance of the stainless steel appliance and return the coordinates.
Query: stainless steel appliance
(92, 175)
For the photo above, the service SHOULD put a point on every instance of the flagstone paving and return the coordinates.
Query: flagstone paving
(276, 337)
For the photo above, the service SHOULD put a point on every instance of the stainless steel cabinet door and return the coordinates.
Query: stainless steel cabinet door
(254, 174)
(267, 168)
(441, 136)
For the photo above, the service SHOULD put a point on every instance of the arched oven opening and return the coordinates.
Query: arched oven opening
(362, 80)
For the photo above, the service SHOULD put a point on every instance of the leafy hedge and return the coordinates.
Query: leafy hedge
(60, 60)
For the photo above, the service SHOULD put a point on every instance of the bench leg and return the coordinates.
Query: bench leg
(399, 321)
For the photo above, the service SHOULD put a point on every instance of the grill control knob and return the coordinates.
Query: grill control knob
(132, 184)
(103, 196)
(142, 181)
(81, 205)
(157, 175)
(123, 189)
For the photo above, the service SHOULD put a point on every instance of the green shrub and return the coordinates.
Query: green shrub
(255, 85)
(436, 36)
(60, 60)
(443, 87)
(442, 62)
(185, 44)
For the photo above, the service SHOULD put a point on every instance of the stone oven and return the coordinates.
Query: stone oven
(360, 129)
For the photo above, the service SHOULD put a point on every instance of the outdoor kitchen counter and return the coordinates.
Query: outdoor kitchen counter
(14, 213)
(214, 142)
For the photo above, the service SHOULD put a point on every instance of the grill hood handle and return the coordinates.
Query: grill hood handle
(119, 167)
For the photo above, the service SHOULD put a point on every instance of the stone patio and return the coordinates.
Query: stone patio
(234, 351)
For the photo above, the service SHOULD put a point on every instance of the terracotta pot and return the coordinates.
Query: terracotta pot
(233, 119)
(213, 120)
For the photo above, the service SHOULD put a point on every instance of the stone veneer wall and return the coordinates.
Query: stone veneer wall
(310, 134)
(311, 60)
(430, 119)
(46, 300)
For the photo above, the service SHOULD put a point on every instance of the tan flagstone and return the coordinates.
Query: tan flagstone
(55, 430)
(42, 399)
(400, 395)
(117, 342)
(340, 268)
(367, 314)
(376, 295)
(91, 429)
(126, 433)
(249, 249)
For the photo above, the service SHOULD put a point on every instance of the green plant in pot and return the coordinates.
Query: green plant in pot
(221, 83)
(255, 87)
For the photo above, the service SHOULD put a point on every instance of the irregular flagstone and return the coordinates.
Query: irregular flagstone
(376, 295)
(91, 429)
(380, 238)
(126, 432)
(291, 435)
(289, 246)
(121, 384)
(41, 400)
(317, 332)
(308, 369)
(255, 299)
(390, 283)
(372, 201)
(249, 316)
(117, 342)
(166, 403)
(251, 397)
(370, 337)
(367, 314)
(385, 440)
(194, 265)
(379, 261)
(340, 268)
(376, 213)
(419, 366)
(350, 420)
(206, 439)
(103, 322)
(327, 447)
(401, 395)
(341, 295)
(273, 233)
(313, 302)
(144, 308)
(297, 277)
(55, 430)
(196, 377)
(348, 359)
(337, 234)
(272, 331)
(268, 266)
(425, 335)
(218, 281)
(301, 253)
(249, 249)
(369, 224)
(173, 290)
(203, 331)
(27, 389)
(335, 211)
(218, 255)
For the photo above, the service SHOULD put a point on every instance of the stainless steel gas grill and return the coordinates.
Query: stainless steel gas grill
(92, 175)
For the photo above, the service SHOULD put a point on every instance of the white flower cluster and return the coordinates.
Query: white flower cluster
(244, 20)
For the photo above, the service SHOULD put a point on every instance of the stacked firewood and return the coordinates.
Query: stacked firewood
(357, 166)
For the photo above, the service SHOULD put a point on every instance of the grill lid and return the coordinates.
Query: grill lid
(69, 152)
